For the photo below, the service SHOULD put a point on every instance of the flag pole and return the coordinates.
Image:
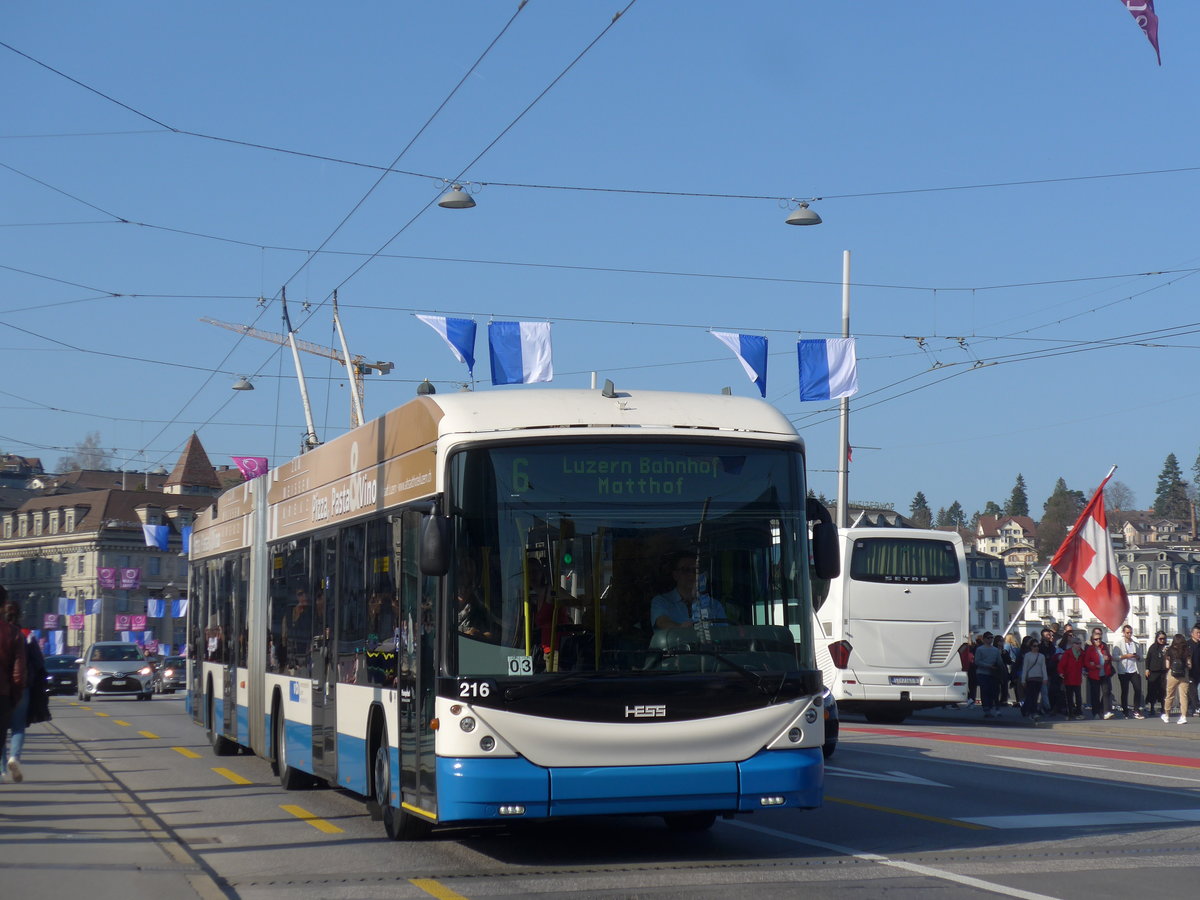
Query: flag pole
(1046, 571)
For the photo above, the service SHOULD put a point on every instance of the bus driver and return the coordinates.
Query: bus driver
(684, 605)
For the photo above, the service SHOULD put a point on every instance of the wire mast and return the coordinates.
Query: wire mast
(356, 368)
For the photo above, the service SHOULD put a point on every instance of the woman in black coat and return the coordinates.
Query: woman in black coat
(1156, 673)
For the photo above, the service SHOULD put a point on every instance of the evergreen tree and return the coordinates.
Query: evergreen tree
(1060, 511)
(919, 511)
(993, 509)
(942, 519)
(955, 517)
(1171, 495)
(1018, 501)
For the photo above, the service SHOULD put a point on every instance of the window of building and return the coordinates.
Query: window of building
(79, 567)
(24, 526)
(54, 522)
(69, 520)
(1164, 580)
(154, 566)
(37, 523)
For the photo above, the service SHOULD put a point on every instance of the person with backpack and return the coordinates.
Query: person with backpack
(1178, 662)
(32, 706)
(12, 668)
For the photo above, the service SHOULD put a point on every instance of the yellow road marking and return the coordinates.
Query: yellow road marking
(119, 722)
(190, 754)
(436, 889)
(102, 714)
(232, 776)
(148, 734)
(971, 826)
(320, 824)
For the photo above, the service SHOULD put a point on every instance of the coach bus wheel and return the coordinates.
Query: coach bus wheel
(289, 779)
(690, 821)
(400, 824)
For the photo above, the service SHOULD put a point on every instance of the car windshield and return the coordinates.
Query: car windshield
(60, 661)
(633, 558)
(173, 662)
(116, 654)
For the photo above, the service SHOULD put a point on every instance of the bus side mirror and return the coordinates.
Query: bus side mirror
(827, 561)
(435, 541)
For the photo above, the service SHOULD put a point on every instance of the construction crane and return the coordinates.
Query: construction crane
(357, 366)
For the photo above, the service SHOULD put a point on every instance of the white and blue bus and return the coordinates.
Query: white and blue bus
(890, 624)
(448, 611)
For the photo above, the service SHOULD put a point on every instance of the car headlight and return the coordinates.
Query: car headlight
(92, 672)
(145, 670)
(169, 673)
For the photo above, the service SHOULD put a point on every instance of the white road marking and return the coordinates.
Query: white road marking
(915, 868)
(898, 777)
(1057, 763)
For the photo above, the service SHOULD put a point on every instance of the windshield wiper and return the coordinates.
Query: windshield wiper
(751, 676)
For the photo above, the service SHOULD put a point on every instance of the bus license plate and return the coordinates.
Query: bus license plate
(904, 679)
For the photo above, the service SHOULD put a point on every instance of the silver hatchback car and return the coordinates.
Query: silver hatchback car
(114, 669)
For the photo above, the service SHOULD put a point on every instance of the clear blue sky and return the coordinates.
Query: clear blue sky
(1087, 361)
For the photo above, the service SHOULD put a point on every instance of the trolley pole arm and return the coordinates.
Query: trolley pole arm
(310, 439)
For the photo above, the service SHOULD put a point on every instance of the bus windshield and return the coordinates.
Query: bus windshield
(616, 557)
(904, 560)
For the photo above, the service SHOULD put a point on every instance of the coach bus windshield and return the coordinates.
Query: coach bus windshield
(633, 558)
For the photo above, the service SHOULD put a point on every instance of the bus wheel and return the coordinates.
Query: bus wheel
(400, 824)
(289, 779)
(690, 821)
(221, 745)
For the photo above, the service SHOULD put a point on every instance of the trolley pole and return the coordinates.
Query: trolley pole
(843, 468)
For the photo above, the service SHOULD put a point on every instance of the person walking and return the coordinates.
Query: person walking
(1127, 658)
(1156, 673)
(989, 665)
(1178, 662)
(1097, 664)
(12, 667)
(1070, 668)
(1012, 650)
(32, 707)
(1194, 671)
(1033, 676)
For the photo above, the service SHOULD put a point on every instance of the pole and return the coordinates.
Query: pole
(310, 439)
(356, 400)
(843, 502)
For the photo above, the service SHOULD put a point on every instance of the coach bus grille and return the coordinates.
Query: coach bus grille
(943, 646)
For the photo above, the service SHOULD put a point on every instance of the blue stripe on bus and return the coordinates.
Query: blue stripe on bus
(474, 789)
(352, 763)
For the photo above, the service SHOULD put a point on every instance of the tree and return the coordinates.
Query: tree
(88, 454)
(992, 509)
(1060, 511)
(919, 511)
(1118, 496)
(955, 517)
(1171, 496)
(941, 520)
(1018, 501)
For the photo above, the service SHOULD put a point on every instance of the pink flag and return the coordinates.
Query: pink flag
(137, 623)
(106, 577)
(49, 621)
(1087, 563)
(251, 466)
(130, 579)
(122, 623)
(1147, 20)
(76, 622)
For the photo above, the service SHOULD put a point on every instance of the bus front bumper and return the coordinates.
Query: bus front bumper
(491, 789)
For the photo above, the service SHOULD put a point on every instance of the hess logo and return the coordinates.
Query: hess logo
(648, 711)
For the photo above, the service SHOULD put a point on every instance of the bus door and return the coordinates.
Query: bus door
(323, 657)
(416, 673)
(234, 613)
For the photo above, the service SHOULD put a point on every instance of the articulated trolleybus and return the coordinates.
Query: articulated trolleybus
(449, 611)
(890, 626)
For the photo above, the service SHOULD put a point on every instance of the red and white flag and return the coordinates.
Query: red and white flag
(1087, 563)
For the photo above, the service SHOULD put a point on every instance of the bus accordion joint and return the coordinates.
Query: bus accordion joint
(839, 652)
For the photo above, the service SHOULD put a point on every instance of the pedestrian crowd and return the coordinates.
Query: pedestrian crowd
(24, 700)
(1068, 673)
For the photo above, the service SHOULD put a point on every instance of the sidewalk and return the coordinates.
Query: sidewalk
(1010, 718)
(70, 830)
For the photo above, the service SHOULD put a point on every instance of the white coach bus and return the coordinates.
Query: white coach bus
(890, 625)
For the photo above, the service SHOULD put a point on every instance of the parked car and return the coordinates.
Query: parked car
(62, 674)
(831, 724)
(170, 675)
(114, 669)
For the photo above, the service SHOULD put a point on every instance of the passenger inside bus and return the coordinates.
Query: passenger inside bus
(472, 616)
(688, 602)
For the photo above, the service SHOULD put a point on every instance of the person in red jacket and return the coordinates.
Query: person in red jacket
(12, 667)
(1097, 663)
(1070, 668)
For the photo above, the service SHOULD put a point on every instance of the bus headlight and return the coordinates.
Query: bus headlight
(467, 723)
(810, 715)
(795, 735)
(487, 743)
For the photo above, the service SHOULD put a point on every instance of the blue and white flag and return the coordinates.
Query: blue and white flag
(156, 535)
(459, 334)
(66, 606)
(186, 534)
(827, 369)
(751, 351)
(55, 643)
(91, 607)
(155, 609)
(179, 608)
(520, 352)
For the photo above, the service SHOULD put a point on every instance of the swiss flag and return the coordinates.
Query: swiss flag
(1087, 563)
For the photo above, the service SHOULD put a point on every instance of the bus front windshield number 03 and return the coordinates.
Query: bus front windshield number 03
(520, 665)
